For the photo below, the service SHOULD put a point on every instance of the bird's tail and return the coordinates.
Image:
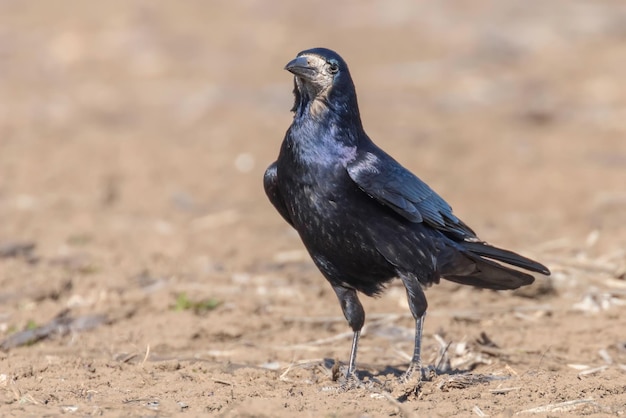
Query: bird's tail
(471, 263)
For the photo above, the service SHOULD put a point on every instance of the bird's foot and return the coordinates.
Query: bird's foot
(415, 373)
(350, 381)
(347, 381)
(411, 381)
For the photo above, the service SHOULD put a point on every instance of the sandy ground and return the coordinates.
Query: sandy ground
(144, 273)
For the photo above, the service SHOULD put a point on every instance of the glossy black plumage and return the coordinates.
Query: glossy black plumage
(363, 217)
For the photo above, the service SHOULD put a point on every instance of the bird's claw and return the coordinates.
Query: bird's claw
(415, 374)
(347, 382)
(410, 383)
(350, 381)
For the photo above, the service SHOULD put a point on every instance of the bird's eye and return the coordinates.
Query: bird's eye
(333, 68)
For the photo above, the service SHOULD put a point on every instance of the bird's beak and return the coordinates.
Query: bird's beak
(300, 67)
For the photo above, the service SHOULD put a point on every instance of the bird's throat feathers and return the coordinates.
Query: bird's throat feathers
(330, 102)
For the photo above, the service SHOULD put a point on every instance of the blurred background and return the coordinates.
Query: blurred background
(134, 118)
(134, 136)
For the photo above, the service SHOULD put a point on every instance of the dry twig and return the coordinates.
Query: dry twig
(566, 406)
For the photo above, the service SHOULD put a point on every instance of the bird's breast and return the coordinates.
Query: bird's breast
(332, 217)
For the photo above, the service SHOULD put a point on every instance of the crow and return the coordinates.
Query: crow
(363, 217)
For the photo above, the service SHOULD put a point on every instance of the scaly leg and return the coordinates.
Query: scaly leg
(416, 361)
(418, 305)
(355, 344)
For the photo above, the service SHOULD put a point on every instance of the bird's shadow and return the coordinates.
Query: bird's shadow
(370, 373)
(391, 380)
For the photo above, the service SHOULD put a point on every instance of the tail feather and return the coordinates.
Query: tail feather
(466, 264)
(487, 274)
(509, 257)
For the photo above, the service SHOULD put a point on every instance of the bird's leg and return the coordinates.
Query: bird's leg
(355, 315)
(355, 344)
(418, 305)
(416, 360)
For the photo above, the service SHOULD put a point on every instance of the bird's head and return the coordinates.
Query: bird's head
(322, 81)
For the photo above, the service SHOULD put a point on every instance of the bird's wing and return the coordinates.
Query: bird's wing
(384, 179)
(270, 183)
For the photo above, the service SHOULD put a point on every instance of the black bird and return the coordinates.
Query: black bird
(363, 217)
